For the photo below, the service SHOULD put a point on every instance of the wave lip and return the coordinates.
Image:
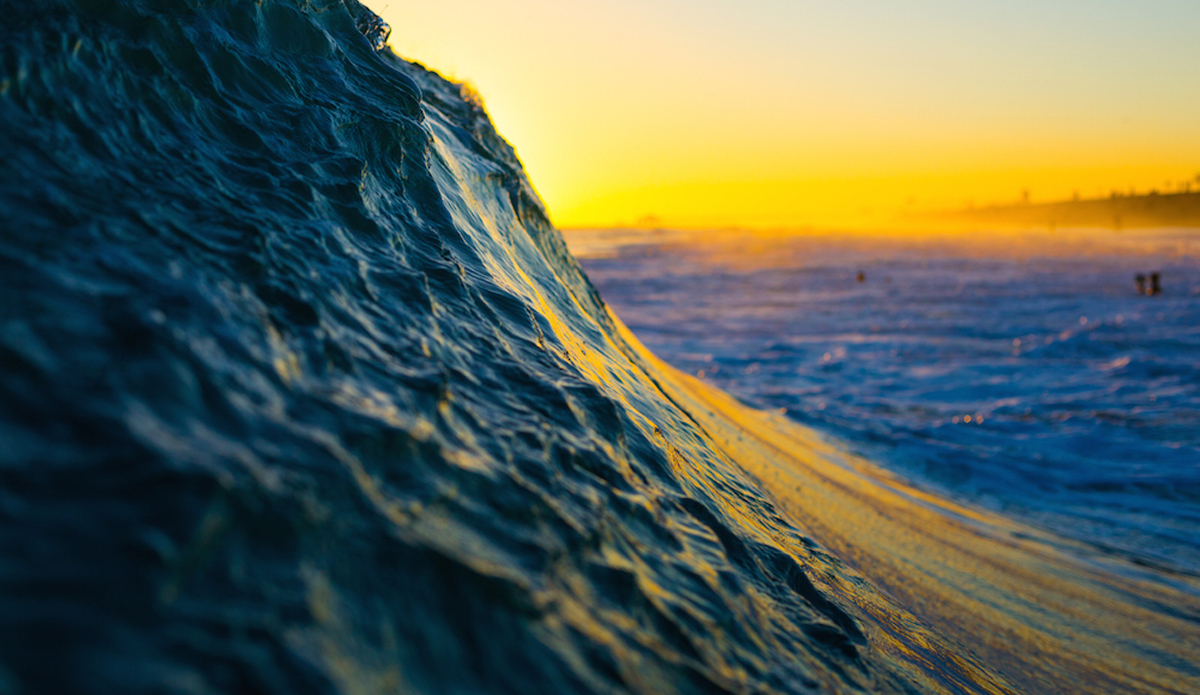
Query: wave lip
(303, 393)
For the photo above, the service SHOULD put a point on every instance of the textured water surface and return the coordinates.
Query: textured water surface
(300, 392)
(1023, 374)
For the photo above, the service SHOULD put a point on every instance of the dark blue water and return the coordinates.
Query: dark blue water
(300, 392)
(1026, 375)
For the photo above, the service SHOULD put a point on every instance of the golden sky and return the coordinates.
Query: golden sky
(770, 113)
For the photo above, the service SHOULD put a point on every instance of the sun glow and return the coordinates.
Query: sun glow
(768, 114)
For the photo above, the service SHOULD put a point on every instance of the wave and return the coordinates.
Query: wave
(302, 392)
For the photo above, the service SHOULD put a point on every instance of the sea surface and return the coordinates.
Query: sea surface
(302, 392)
(1018, 371)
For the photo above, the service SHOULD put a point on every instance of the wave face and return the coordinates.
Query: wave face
(302, 393)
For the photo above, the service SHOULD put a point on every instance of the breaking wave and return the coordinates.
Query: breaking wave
(301, 392)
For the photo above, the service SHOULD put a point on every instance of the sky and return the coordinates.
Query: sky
(787, 113)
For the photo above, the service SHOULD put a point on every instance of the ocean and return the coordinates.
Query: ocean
(1022, 373)
(302, 392)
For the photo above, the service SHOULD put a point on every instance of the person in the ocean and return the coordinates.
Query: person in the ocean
(1140, 280)
(861, 277)
(1155, 288)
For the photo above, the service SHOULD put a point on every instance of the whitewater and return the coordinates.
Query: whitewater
(301, 392)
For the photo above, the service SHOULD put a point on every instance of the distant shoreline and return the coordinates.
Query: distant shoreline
(1115, 212)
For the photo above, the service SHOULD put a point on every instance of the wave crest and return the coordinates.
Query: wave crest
(307, 395)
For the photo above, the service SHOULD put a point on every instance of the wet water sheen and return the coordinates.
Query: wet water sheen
(300, 392)
(1025, 374)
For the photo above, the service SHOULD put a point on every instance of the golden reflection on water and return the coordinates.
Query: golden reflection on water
(1048, 614)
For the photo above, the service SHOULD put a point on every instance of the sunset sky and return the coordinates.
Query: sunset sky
(766, 113)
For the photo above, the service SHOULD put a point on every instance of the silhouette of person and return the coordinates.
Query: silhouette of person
(861, 277)
(1140, 279)
(1155, 288)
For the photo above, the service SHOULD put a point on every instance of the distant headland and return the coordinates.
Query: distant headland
(1117, 211)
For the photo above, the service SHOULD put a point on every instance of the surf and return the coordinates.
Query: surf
(302, 392)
